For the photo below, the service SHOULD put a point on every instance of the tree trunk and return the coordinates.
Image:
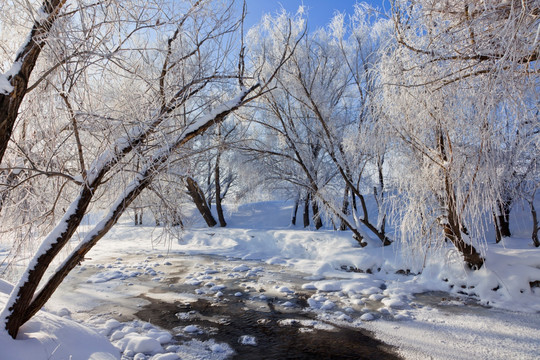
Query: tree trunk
(453, 227)
(27, 57)
(452, 231)
(306, 211)
(316, 214)
(345, 208)
(295, 209)
(138, 216)
(502, 220)
(198, 198)
(177, 219)
(534, 235)
(365, 220)
(217, 180)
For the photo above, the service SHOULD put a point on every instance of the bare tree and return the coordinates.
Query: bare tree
(322, 116)
(195, 62)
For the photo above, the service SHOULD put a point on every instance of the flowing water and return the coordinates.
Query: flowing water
(257, 325)
(258, 309)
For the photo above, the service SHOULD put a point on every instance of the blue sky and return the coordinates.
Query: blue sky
(320, 11)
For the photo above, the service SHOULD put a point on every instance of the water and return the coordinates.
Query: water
(280, 332)
(253, 312)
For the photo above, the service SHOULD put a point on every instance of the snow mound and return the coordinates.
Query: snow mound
(50, 337)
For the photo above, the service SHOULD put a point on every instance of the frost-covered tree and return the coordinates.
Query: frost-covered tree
(179, 61)
(322, 119)
(460, 97)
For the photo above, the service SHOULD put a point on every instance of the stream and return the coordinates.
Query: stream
(260, 310)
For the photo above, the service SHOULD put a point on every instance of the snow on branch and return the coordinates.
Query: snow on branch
(130, 193)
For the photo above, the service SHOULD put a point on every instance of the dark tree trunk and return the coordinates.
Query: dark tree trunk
(177, 219)
(453, 228)
(138, 216)
(217, 180)
(306, 211)
(345, 208)
(209, 185)
(198, 198)
(379, 195)
(27, 56)
(365, 220)
(452, 231)
(316, 214)
(534, 235)
(295, 209)
(502, 220)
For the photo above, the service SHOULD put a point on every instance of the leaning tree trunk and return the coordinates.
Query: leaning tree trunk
(26, 58)
(23, 301)
(198, 198)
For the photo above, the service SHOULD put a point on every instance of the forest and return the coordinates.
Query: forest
(415, 128)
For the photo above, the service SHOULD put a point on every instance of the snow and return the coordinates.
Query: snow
(361, 287)
(45, 246)
(248, 340)
(47, 336)
(139, 344)
(191, 329)
(367, 317)
(5, 85)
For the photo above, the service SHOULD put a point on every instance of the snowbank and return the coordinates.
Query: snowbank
(50, 337)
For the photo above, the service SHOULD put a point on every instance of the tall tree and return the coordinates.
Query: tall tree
(453, 67)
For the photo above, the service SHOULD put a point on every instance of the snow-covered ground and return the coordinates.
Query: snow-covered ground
(487, 314)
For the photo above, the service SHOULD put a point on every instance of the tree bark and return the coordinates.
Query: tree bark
(453, 227)
(502, 220)
(536, 228)
(138, 216)
(295, 209)
(452, 231)
(27, 57)
(316, 214)
(344, 208)
(177, 219)
(306, 211)
(217, 180)
(198, 198)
